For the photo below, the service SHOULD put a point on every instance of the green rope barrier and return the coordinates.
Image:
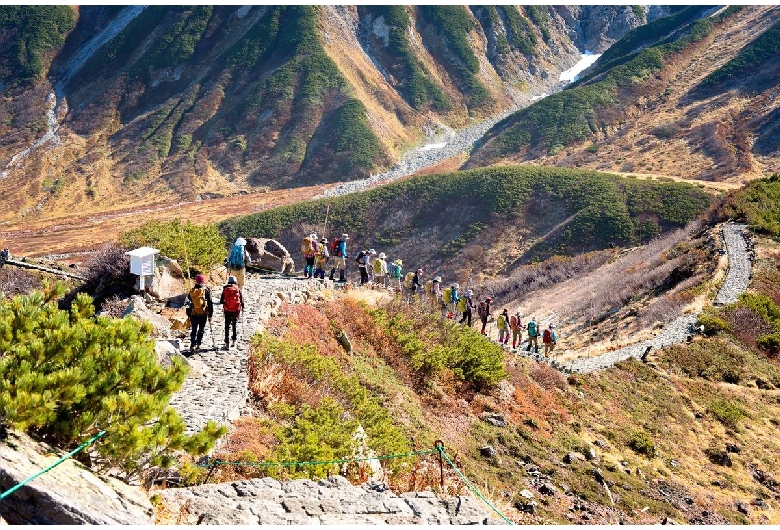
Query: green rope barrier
(314, 463)
(470, 485)
(52, 466)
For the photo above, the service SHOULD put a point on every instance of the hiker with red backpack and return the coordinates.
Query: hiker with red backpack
(338, 249)
(199, 308)
(483, 311)
(549, 339)
(232, 301)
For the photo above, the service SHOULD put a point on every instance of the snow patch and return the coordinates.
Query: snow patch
(586, 59)
(540, 96)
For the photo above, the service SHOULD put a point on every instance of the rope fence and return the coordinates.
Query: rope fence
(52, 466)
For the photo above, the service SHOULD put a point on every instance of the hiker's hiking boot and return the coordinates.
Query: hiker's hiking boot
(226, 347)
(233, 344)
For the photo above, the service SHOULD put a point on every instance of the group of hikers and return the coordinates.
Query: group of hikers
(378, 270)
(375, 269)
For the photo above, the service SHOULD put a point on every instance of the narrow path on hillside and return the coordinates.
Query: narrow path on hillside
(681, 328)
(217, 386)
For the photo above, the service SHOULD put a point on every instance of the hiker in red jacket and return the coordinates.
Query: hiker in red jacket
(232, 301)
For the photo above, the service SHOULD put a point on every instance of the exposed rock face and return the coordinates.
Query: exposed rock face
(139, 309)
(168, 282)
(596, 28)
(68, 494)
(329, 501)
(270, 254)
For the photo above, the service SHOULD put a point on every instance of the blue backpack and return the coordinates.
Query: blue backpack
(236, 257)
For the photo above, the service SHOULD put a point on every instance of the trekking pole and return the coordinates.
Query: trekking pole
(213, 340)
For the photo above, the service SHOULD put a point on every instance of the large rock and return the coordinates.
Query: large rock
(138, 309)
(168, 282)
(67, 494)
(269, 254)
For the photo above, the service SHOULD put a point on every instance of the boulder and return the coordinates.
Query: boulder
(167, 282)
(494, 419)
(138, 309)
(488, 451)
(269, 254)
(68, 494)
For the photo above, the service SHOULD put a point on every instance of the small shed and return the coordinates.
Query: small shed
(142, 263)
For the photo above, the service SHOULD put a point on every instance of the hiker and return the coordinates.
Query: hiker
(549, 339)
(533, 336)
(433, 290)
(237, 260)
(309, 251)
(338, 249)
(454, 297)
(199, 308)
(321, 259)
(516, 325)
(4, 254)
(396, 274)
(232, 301)
(465, 305)
(502, 322)
(369, 264)
(362, 261)
(380, 270)
(483, 311)
(417, 281)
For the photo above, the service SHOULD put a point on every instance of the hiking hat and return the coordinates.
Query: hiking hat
(313, 237)
(200, 279)
(324, 240)
(231, 280)
(456, 285)
(506, 310)
(488, 299)
(552, 325)
(437, 279)
(382, 255)
(344, 236)
(240, 241)
(469, 293)
(398, 262)
(419, 271)
(371, 251)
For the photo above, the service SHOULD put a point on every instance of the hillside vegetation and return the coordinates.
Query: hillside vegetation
(450, 221)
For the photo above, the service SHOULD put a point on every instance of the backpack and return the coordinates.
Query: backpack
(454, 296)
(306, 246)
(532, 329)
(377, 266)
(501, 321)
(396, 270)
(232, 299)
(429, 287)
(334, 247)
(446, 295)
(236, 257)
(547, 336)
(409, 279)
(199, 302)
(481, 308)
(360, 257)
(513, 322)
(462, 305)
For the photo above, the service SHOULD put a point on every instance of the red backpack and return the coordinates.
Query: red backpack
(334, 247)
(547, 336)
(232, 299)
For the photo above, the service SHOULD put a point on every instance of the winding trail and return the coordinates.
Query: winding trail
(682, 327)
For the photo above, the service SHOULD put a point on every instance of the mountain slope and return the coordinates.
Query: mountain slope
(184, 102)
(659, 110)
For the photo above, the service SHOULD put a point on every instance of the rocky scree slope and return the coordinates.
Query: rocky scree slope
(217, 100)
(684, 96)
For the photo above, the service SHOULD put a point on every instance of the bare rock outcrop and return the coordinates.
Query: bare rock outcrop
(269, 254)
(67, 494)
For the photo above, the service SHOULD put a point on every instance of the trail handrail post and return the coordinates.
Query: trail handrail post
(439, 445)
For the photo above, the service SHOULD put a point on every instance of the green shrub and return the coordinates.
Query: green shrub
(770, 342)
(727, 412)
(753, 56)
(759, 203)
(642, 444)
(67, 375)
(196, 246)
(711, 323)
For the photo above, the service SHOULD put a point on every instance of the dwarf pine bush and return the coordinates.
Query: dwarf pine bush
(66, 375)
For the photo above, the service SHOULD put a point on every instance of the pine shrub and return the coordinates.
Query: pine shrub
(66, 375)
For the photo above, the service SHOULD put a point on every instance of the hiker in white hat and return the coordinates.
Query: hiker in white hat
(379, 268)
(237, 261)
(339, 256)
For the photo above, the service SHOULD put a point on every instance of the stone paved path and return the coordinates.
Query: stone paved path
(217, 387)
(329, 501)
(681, 328)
